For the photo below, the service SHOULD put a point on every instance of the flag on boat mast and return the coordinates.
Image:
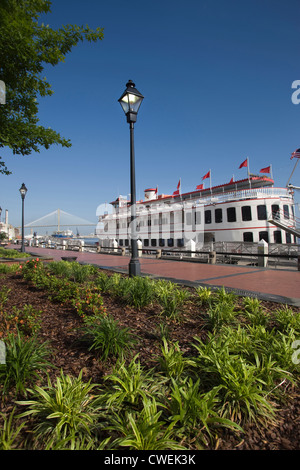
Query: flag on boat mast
(177, 192)
(245, 163)
(295, 154)
(267, 169)
(208, 175)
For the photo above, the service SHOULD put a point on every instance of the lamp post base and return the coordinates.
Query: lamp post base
(134, 267)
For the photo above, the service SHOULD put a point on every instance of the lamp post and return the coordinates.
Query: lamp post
(131, 101)
(23, 191)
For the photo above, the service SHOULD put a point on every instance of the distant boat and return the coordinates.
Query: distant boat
(63, 234)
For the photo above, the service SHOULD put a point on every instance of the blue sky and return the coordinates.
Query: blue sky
(216, 76)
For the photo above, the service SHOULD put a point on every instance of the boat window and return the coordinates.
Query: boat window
(189, 218)
(218, 216)
(248, 236)
(153, 241)
(264, 236)
(246, 213)
(198, 217)
(105, 227)
(277, 236)
(170, 241)
(288, 237)
(231, 214)
(262, 212)
(286, 211)
(161, 242)
(207, 217)
(126, 242)
(275, 211)
(293, 213)
(180, 242)
(146, 242)
(121, 242)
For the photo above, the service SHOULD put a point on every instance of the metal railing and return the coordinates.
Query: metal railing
(220, 252)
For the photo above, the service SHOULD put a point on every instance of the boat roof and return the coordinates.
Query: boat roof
(254, 181)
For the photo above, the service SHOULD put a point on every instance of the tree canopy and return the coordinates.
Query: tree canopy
(26, 45)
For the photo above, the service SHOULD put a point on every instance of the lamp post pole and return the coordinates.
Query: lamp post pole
(134, 265)
(23, 191)
(130, 102)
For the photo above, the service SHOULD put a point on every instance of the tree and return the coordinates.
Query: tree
(25, 47)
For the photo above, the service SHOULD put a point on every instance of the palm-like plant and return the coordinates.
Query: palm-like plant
(131, 384)
(9, 432)
(172, 361)
(26, 359)
(192, 410)
(65, 412)
(107, 337)
(144, 430)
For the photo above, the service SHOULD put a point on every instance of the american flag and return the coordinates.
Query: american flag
(296, 154)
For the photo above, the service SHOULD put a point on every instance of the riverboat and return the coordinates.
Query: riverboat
(247, 210)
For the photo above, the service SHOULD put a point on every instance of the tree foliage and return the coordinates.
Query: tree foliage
(26, 45)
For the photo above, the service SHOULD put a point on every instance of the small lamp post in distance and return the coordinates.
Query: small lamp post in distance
(23, 191)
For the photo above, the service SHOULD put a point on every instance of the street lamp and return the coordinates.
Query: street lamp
(131, 101)
(23, 191)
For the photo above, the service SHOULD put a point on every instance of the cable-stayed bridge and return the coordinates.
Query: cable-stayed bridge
(59, 220)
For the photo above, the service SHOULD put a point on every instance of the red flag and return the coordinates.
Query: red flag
(200, 186)
(266, 170)
(231, 181)
(176, 193)
(156, 190)
(296, 154)
(245, 163)
(206, 176)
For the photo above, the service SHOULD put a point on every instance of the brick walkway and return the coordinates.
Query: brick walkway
(280, 285)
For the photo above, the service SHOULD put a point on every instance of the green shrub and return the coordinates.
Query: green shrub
(11, 253)
(144, 430)
(172, 300)
(219, 314)
(192, 410)
(73, 271)
(254, 312)
(131, 384)
(172, 362)
(64, 412)
(203, 295)
(26, 359)
(287, 320)
(107, 337)
(9, 432)
(9, 268)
